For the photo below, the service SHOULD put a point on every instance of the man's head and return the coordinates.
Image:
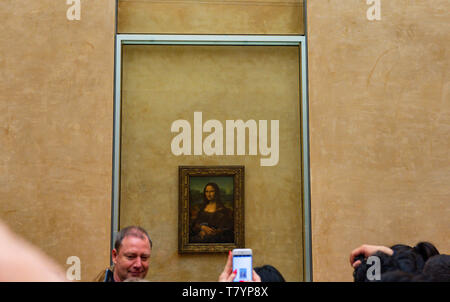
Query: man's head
(131, 253)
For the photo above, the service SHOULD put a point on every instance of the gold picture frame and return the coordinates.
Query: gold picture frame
(211, 209)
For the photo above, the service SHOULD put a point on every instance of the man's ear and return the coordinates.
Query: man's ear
(114, 256)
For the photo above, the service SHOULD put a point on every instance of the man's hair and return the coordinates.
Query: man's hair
(135, 231)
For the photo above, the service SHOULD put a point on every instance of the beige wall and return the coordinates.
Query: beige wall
(211, 17)
(163, 84)
(56, 118)
(380, 128)
(379, 119)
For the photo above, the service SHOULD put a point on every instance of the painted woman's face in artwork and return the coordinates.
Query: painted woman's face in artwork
(210, 193)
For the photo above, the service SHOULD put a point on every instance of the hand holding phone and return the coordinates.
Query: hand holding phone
(243, 264)
(228, 274)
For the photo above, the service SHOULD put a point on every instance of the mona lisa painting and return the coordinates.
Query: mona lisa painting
(211, 208)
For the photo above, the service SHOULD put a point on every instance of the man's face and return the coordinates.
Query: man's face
(210, 193)
(132, 259)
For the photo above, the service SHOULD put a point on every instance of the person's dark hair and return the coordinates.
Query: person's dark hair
(405, 261)
(400, 276)
(424, 249)
(360, 272)
(437, 268)
(401, 248)
(135, 231)
(410, 260)
(216, 195)
(269, 273)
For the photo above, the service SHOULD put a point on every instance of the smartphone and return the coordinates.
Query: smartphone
(243, 264)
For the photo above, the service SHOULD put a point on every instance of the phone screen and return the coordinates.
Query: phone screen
(243, 266)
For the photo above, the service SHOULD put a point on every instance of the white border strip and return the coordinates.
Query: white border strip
(116, 142)
(307, 240)
(205, 39)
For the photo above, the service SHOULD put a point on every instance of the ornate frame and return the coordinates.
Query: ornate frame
(185, 173)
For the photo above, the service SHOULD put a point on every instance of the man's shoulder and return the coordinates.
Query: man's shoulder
(105, 275)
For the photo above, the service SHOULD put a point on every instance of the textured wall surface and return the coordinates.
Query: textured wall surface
(379, 125)
(56, 86)
(211, 17)
(380, 128)
(224, 83)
